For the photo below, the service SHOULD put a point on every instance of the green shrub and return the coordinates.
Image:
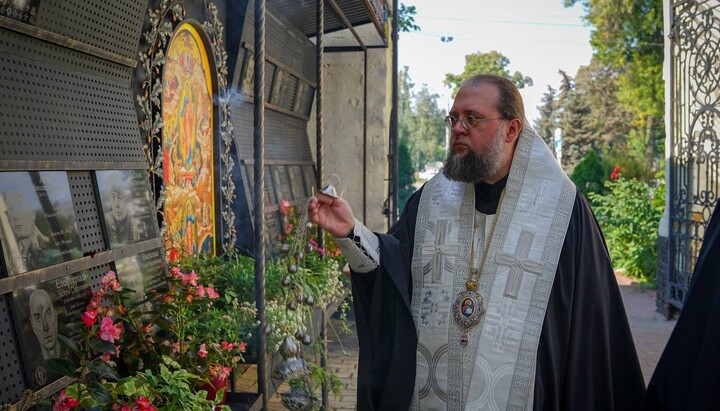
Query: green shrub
(589, 175)
(629, 215)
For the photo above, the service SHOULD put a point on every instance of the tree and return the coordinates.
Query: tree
(420, 122)
(608, 121)
(629, 38)
(486, 63)
(577, 137)
(406, 18)
(406, 174)
(427, 137)
(548, 121)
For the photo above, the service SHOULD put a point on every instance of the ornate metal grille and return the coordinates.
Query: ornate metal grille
(694, 135)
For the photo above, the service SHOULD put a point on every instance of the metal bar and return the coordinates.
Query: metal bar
(271, 162)
(65, 41)
(70, 165)
(670, 167)
(365, 107)
(41, 394)
(283, 66)
(346, 22)
(320, 22)
(20, 281)
(345, 49)
(374, 18)
(393, 183)
(259, 198)
(273, 107)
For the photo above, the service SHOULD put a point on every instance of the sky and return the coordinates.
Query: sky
(538, 36)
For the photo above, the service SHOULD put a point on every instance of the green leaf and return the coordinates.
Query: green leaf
(70, 344)
(104, 347)
(62, 366)
(103, 369)
(99, 392)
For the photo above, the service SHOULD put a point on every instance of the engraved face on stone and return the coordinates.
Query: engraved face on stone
(44, 322)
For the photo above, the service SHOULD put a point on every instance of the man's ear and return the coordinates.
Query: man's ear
(513, 130)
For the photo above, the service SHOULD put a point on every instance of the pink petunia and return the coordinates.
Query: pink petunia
(143, 404)
(211, 294)
(108, 331)
(191, 279)
(202, 352)
(200, 291)
(89, 317)
(65, 402)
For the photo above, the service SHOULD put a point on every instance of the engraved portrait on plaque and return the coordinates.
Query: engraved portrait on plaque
(128, 212)
(42, 312)
(37, 220)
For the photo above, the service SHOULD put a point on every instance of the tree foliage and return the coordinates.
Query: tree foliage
(406, 174)
(486, 63)
(406, 18)
(420, 122)
(548, 121)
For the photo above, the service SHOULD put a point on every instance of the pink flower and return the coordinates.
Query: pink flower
(110, 281)
(89, 317)
(108, 331)
(220, 371)
(242, 347)
(202, 352)
(191, 279)
(200, 291)
(65, 402)
(121, 407)
(105, 357)
(175, 272)
(284, 207)
(211, 294)
(143, 404)
(95, 299)
(176, 347)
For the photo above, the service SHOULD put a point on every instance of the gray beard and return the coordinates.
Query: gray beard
(474, 167)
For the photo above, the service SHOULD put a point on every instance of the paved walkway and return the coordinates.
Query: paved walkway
(650, 332)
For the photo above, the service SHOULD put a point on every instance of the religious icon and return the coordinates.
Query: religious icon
(468, 307)
(187, 111)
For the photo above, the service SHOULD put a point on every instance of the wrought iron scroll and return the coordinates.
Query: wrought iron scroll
(694, 182)
(163, 21)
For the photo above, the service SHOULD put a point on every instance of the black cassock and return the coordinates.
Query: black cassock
(586, 356)
(687, 377)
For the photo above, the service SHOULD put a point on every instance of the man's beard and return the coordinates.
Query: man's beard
(473, 166)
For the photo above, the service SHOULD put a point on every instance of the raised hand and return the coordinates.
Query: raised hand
(333, 214)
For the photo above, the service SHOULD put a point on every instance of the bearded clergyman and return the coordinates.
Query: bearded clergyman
(494, 290)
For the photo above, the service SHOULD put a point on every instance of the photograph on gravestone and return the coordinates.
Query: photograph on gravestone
(24, 11)
(42, 312)
(38, 227)
(129, 214)
(143, 273)
(188, 165)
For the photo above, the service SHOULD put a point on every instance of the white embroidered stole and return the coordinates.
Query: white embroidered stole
(515, 284)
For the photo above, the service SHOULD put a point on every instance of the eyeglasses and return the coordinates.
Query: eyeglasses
(469, 122)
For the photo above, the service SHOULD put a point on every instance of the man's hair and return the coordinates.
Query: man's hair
(510, 104)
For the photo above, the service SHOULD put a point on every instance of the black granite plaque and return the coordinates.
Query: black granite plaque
(24, 11)
(144, 274)
(41, 313)
(37, 220)
(129, 215)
